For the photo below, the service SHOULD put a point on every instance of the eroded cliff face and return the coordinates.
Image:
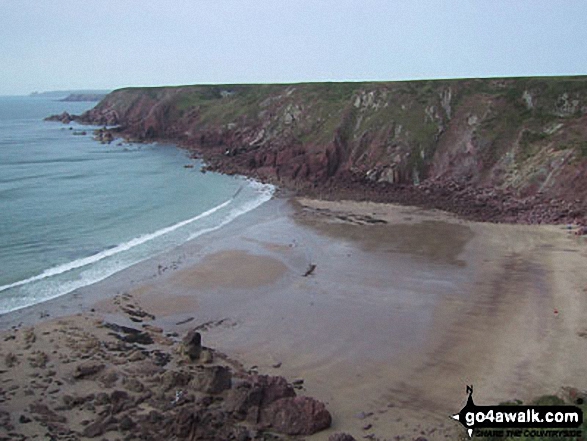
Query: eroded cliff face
(522, 136)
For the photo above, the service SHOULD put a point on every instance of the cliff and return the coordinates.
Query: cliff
(513, 149)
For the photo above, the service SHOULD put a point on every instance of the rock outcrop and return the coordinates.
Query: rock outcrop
(64, 117)
(151, 397)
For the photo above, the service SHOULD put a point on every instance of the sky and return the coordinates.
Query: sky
(107, 44)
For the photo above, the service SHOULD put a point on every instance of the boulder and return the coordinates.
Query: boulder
(245, 400)
(273, 388)
(87, 369)
(42, 413)
(295, 416)
(341, 437)
(212, 380)
(191, 345)
(174, 379)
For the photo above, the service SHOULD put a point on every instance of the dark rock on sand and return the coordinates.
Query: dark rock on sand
(126, 423)
(100, 427)
(23, 419)
(212, 380)
(296, 416)
(130, 335)
(42, 413)
(271, 402)
(87, 369)
(175, 379)
(133, 385)
(341, 437)
(191, 345)
(120, 401)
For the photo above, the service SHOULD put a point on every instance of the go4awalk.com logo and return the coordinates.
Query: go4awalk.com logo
(518, 421)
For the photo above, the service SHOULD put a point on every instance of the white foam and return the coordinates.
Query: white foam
(94, 275)
(265, 193)
(112, 251)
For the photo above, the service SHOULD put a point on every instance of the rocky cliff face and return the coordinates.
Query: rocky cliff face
(522, 137)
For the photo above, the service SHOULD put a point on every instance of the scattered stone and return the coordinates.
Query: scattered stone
(175, 379)
(160, 358)
(310, 270)
(38, 359)
(108, 379)
(191, 345)
(10, 360)
(131, 335)
(341, 437)
(295, 416)
(154, 329)
(29, 337)
(133, 385)
(87, 369)
(126, 423)
(95, 429)
(363, 415)
(102, 398)
(23, 419)
(212, 380)
(120, 401)
(42, 413)
(72, 401)
(136, 356)
(183, 322)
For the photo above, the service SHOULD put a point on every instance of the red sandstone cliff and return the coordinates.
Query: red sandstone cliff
(486, 141)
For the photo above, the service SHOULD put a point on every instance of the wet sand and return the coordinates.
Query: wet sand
(405, 308)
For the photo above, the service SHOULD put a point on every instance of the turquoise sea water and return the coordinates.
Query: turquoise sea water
(74, 211)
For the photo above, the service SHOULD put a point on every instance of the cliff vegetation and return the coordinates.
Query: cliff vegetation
(491, 141)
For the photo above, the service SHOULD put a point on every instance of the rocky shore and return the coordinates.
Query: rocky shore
(471, 203)
(475, 203)
(82, 377)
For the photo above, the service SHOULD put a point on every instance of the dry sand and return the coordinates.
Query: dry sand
(405, 308)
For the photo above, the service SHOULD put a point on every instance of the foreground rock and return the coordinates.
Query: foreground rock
(296, 416)
(103, 379)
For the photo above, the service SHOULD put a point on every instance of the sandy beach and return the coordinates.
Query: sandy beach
(404, 308)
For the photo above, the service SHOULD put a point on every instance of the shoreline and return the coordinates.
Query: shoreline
(400, 297)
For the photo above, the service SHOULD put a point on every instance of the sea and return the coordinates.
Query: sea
(74, 211)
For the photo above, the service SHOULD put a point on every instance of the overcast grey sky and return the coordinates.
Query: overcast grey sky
(91, 44)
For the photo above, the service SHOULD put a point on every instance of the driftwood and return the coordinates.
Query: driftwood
(310, 270)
